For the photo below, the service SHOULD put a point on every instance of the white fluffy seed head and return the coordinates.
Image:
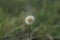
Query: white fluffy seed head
(29, 19)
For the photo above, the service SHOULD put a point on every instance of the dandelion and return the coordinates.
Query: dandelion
(29, 19)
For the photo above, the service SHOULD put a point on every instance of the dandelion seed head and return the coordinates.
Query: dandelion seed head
(29, 19)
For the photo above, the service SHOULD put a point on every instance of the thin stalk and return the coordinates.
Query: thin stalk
(29, 31)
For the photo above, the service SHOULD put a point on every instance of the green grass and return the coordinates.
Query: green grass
(47, 21)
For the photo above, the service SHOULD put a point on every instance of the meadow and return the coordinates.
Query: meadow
(45, 27)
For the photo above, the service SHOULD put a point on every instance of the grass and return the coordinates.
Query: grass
(46, 25)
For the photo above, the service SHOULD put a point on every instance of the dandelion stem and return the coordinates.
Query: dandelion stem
(29, 31)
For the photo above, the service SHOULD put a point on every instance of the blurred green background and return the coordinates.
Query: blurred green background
(45, 27)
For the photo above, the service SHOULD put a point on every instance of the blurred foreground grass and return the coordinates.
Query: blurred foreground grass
(45, 27)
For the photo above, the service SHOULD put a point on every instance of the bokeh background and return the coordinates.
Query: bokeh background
(45, 27)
